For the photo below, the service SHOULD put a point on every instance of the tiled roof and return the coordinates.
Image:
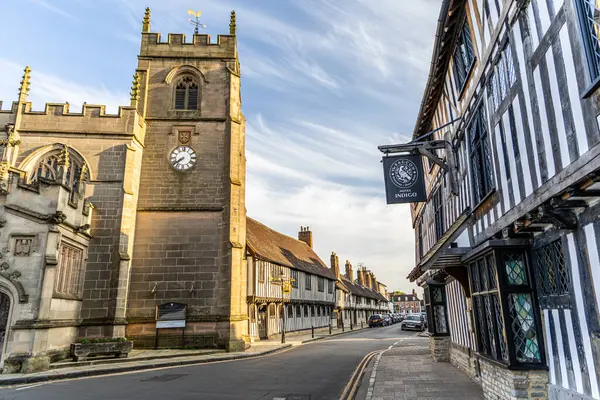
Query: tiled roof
(359, 290)
(284, 250)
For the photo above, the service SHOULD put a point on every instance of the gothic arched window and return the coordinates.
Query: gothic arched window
(186, 94)
(48, 167)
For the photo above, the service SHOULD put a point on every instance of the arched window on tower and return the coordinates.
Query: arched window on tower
(186, 94)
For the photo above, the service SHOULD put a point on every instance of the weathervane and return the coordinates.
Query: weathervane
(195, 22)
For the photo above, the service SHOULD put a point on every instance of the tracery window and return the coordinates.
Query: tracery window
(186, 94)
(48, 170)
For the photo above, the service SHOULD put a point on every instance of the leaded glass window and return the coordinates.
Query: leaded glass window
(308, 281)
(481, 159)
(464, 57)
(438, 206)
(524, 328)
(506, 317)
(489, 321)
(435, 304)
(502, 77)
(514, 265)
(294, 276)
(588, 12)
(552, 275)
(321, 284)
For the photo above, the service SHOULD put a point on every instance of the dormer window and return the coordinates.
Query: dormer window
(186, 94)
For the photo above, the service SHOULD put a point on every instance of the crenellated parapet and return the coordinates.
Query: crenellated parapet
(57, 117)
(176, 45)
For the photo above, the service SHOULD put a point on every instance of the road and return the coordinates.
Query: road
(315, 371)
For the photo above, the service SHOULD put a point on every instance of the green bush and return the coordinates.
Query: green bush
(101, 340)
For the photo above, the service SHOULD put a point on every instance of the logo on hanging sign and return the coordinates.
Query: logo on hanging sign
(404, 180)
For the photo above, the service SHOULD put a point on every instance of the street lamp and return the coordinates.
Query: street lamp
(285, 288)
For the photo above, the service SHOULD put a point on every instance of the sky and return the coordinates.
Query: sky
(324, 82)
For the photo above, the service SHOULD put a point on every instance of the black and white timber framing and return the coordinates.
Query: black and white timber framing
(527, 169)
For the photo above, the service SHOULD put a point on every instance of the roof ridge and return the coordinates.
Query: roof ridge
(279, 233)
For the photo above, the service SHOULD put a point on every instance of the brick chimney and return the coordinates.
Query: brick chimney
(335, 265)
(367, 274)
(349, 273)
(414, 293)
(305, 235)
(361, 276)
(374, 282)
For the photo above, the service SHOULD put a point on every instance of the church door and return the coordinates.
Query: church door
(4, 311)
(262, 322)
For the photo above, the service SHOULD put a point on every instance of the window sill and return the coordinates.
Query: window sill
(477, 209)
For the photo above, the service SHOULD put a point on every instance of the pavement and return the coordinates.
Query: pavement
(407, 372)
(150, 359)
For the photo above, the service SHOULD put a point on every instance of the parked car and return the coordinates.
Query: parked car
(414, 322)
(388, 320)
(396, 318)
(376, 320)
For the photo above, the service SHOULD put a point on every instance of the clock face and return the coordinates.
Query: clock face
(183, 158)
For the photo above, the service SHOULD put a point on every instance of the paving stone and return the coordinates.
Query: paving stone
(403, 374)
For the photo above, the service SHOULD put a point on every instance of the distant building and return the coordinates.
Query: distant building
(405, 303)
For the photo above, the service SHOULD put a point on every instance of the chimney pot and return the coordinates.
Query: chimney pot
(305, 235)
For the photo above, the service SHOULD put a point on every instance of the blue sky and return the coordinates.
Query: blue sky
(324, 83)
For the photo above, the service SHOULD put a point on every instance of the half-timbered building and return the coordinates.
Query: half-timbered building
(275, 259)
(357, 299)
(508, 241)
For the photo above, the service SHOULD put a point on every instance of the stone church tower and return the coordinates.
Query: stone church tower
(105, 217)
(190, 225)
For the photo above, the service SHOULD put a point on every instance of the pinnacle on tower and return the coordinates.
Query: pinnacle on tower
(25, 82)
(146, 22)
(63, 158)
(135, 89)
(232, 26)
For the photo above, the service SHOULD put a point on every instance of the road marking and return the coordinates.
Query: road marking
(31, 386)
(352, 386)
(395, 343)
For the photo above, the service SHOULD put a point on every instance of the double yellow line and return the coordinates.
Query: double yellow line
(352, 386)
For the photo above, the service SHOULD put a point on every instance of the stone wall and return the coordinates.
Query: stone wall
(500, 383)
(461, 358)
(439, 348)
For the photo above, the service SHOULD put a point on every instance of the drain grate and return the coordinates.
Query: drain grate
(164, 378)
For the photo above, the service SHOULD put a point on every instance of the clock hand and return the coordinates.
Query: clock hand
(179, 159)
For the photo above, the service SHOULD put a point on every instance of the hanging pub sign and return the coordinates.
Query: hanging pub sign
(404, 180)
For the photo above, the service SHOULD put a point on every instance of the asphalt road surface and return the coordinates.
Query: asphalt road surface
(315, 371)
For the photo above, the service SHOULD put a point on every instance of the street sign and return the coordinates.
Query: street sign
(404, 180)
